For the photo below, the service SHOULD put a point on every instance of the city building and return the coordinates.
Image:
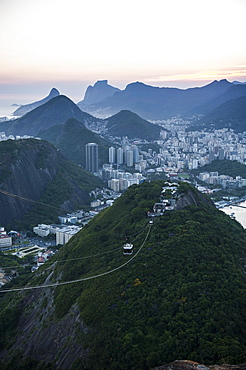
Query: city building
(64, 234)
(111, 153)
(129, 158)
(5, 239)
(91, 152)
(120, 156)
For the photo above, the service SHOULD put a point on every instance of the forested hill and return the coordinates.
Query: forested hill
(224, 167)
(126, 123)
(37, 183)
(71, 138)
(180, 295)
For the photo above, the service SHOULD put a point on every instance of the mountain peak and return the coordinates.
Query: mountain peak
(55, 111)
(137, 85)
(101, 82)
(99, 91)
(53, 92)
(23, 109)
(223, 81)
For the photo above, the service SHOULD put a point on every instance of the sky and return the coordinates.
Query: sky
(70, 44)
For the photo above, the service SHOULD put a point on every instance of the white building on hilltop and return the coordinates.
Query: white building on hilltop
(5, 239)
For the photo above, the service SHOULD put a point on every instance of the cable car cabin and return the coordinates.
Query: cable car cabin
(127, 249)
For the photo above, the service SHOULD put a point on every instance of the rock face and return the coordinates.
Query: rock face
(23, 109)
(192, 198)
(26, 179)
(26, 169)
(100, 91)
(157, 103)
(53, 338)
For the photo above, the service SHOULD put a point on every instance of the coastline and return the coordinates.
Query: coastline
(237, 212)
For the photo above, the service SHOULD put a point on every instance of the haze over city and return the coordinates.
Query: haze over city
(70, 45)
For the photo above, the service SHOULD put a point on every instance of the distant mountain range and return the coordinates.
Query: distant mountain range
(151, 103)
(157, 103)
(23, 109)
(231, 114)
(94, 94)
(60, 109)
(127, 112)
(56, 111)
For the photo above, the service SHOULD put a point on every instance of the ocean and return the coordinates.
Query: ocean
(6, 109)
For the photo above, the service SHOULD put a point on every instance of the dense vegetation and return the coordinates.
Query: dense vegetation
(182, 296)
(55, 112)
(136, 127)
(72, 137)
(60, 190)
(8, 155)
(231, 114)
(49, 184)
(224, 167)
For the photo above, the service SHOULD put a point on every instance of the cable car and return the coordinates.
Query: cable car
(127, 249)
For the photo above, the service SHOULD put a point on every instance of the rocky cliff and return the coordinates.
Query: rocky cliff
(192, 198)
(27, 168)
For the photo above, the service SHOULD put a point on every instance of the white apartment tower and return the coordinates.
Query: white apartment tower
(129, 158)
(111, 153)
(120, 156)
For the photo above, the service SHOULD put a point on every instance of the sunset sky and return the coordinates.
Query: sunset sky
(69, 44)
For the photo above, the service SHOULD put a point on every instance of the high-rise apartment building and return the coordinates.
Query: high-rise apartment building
(120, 156)
(91, 151)
(129, 158)
(111, 153)
(135, 154)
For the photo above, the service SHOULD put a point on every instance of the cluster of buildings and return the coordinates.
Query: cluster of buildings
(118, 179)
(127, 155)
(226, 182)
(182, 149)
(179, 150)
(62, 232)
(4, 137)
(72, 223)
(168, 199)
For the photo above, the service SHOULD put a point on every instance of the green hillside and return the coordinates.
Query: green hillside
(54, 112)
(231, 114)
(224, 167)
(127, 123)
(38, 183)
(68, 191)
(181, 295)
(71, 138)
